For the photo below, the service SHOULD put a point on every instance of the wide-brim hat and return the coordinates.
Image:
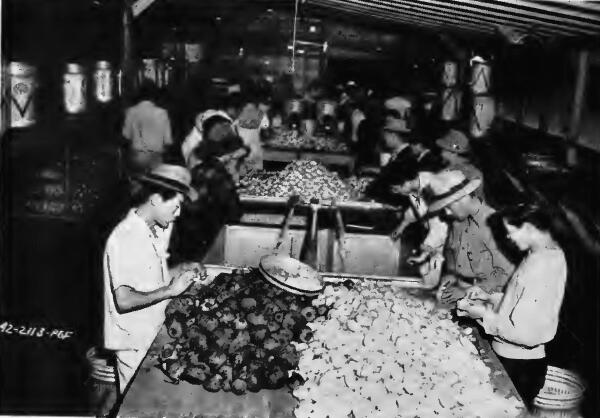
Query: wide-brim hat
(402, 105)
(171, 177)
(455, 141)
(449, 187)
(396, 125)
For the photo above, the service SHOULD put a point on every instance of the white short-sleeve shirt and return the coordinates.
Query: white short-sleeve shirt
(133, 257)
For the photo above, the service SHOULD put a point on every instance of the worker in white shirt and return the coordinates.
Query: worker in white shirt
(249, 125)
(137, 282)
(431, 258)
(147, 129)
(524, 317)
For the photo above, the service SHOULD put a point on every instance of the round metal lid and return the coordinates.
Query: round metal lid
(291, 275)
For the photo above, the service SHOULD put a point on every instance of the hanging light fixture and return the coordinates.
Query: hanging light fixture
(293, 68)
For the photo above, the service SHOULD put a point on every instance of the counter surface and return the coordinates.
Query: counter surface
(151, 394)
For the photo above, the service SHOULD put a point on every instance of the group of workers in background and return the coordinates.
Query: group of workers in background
(436, 182)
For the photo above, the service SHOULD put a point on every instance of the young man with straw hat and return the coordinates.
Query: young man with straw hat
(455, 150)
(137, 283)
(471, 253)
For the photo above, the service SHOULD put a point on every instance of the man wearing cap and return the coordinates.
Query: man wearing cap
(455, 151)
(471, 253)
(137, 282)
(402, 162)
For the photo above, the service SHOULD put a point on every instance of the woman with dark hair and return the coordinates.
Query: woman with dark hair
(524, 318)
(147, 129)
(215, 171)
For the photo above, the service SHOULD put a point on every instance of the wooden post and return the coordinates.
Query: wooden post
(127, 59)
(4, 80)
(578, 103)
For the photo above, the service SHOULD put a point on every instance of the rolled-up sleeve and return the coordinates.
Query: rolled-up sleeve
(121, 261)
(532, 317)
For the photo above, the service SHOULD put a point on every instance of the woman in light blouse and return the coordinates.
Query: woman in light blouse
(524, 317)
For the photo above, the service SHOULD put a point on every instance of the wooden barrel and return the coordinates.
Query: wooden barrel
(482, 115)
(74, 89)
(451, 104)
(22, 94)
(450, 74)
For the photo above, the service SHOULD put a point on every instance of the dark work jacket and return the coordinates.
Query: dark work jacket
(429, 161)
(201, 221)
(398, 170)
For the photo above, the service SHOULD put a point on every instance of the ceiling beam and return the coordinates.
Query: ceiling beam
(413, 19)
(560, 8)
(434, 7)
(461, 10)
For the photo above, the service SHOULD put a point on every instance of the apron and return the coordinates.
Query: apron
(251, 138)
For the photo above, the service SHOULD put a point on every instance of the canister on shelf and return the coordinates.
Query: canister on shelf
(194, 53)
(481, 73)
(450, 74)
(75, 89)
(294, 110)
(451, 104)
(168, 73)
(149, 69)
(103, 82)
(482, 115)
(429, 100)
(326, 107)
(168, 50)
(160, 74)
(22, 94)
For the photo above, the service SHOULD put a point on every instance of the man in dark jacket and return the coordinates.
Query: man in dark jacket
(401, 164)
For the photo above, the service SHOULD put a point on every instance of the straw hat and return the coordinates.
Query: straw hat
(402, 105)
(396, 125)
(454, 141)
(171, 177)
(400, 120)
(450, 186)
